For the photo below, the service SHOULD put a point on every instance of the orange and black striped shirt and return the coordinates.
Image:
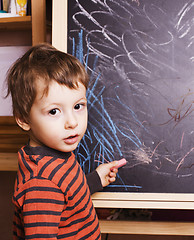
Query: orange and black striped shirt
(51, 197)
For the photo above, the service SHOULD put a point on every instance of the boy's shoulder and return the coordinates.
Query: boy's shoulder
(44, 164)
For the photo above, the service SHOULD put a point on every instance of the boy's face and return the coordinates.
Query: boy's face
(58, 119)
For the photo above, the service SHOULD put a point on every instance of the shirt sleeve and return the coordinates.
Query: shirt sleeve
(42, 208)
(94, 182)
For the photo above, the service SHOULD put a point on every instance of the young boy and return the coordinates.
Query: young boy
(51, 196)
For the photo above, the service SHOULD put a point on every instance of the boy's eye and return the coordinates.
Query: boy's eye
(53, 111)
(77, 106)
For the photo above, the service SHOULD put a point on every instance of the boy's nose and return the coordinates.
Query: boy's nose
(71, 122)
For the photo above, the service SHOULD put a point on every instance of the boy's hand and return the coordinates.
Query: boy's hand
(107, 172)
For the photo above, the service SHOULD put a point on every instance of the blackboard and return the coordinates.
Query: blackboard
(140, 58)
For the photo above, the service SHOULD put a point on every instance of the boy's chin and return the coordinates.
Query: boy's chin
(69, 148)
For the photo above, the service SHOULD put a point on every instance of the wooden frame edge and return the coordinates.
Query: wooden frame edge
(143, 200)
(59, 25)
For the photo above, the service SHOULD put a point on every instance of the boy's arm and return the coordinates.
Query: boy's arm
(102, 176)
(94, 182)
(42, 205)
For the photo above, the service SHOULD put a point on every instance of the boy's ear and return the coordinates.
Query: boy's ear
(25, 126)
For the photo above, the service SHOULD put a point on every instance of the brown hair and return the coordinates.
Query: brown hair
(41, 62)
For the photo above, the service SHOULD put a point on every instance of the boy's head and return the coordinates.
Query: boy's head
(48, 90)
(48, 64)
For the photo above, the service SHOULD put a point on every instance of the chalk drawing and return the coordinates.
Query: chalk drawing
(140, 58)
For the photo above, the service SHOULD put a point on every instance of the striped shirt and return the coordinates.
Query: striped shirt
(51, 197)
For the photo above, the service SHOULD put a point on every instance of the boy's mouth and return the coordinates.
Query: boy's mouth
(71, 139)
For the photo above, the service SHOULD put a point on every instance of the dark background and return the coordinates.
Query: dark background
(140, 57)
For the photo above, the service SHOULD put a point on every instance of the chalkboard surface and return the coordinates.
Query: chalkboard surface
(140, 58)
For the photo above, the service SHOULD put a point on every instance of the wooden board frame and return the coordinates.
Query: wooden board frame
(143, 200)
(107, 199)
(59, 24)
